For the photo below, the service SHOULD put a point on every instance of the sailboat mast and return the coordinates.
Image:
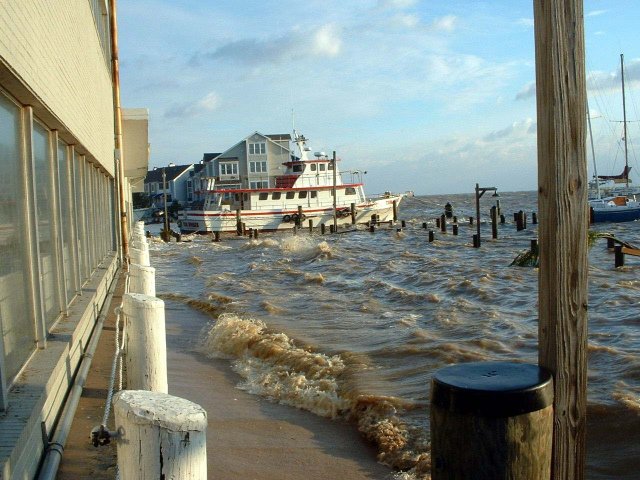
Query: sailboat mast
(593, 153)
(624, 122)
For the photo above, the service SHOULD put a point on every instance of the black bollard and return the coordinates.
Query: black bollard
(491, 420)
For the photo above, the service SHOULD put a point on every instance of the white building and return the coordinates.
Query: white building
(60, 228)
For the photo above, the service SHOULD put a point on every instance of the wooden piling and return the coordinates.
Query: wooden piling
(255, 233)
(395, 211)
(470, 221)
(619, 256)
(476, 241)
(502, 219)
(455, 228)
(372, 228)
(310, 226)
(299, 217)
(403, 223)
(161, 436)
(353, 213)
(443, 223)
(491, 420)
(431, 236)
(534, 218)
(424, 225)
(562, 199)
(145, 342)
(455, 219)
(238, 223)
(322, 228)
(519, 221)
(610, 243)
(216, 236)
(494, 222)
(534, 246)
(438, 223)
(332, 229)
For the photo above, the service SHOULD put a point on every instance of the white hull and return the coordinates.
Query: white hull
(203, 221)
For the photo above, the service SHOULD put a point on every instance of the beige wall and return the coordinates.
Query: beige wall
(50, 57)
(135, 141)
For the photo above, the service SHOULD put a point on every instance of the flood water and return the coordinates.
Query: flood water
(354, 325)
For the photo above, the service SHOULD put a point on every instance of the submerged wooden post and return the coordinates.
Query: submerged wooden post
(619, 256)
(322, 228)
(395, 210)
(443, 223)
(216, 236)
(562, 205)
(145, 342)
(310, 226)
(353, 213)
(161, 436)
(455, 229)
(238, 222)
(494, 222)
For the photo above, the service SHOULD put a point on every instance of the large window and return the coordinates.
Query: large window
(257, 148)
(259, 184)
(66, 214)
(17, 331)
(257, 167)
(228, 168)
(45, 213)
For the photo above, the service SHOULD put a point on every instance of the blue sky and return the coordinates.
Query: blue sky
(429, 96)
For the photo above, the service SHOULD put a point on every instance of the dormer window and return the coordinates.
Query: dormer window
(257, 148)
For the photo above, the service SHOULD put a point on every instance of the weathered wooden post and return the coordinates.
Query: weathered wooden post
(534, 218)
(494, 222)
(255, 233)
(322, 228)
(145, 343)
(502, 219)
(534, 246)
(470, 221)
(563, 224)
(619, 256)
(438, 223)
(491, 420)
(443, 223)
(455, 228)
(332, 229)
(216, 236)
(610, 243)
(238, 223)
(395, 210)
(299, 216)
(161, 436)
(403, 224)
(476, 241)
(455, 219)
(372, 228)
(353, 213)
(310, 226)
(142, 279)
(519, 221)
(424, 225)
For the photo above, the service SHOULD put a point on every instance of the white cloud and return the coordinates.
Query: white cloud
(528, 91)
(406, 20)
(206, 104)
(595, 13)
(327, 41)
(445, 24)
(525, 22)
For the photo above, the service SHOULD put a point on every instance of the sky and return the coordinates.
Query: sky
(424, 95)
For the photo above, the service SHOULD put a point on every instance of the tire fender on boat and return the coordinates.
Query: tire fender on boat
(286, 218)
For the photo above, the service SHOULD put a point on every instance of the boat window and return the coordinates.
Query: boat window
(314, 167)
(276, 196)
(291, 195)
(350, 191)
(237, 197)
(245, 197)
(298, 168)
(330, 166)
(302, 194)
(323, 167)
(263, 196)
(314, 194)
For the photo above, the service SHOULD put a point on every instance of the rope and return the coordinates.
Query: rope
(116, 364)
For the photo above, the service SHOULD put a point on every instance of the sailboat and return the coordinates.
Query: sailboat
(619, 203)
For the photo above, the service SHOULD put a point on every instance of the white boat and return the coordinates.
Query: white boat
(611, 198)
(311, 190)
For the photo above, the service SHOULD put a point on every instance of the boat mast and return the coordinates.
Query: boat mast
(624, 123)
(593, 153)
